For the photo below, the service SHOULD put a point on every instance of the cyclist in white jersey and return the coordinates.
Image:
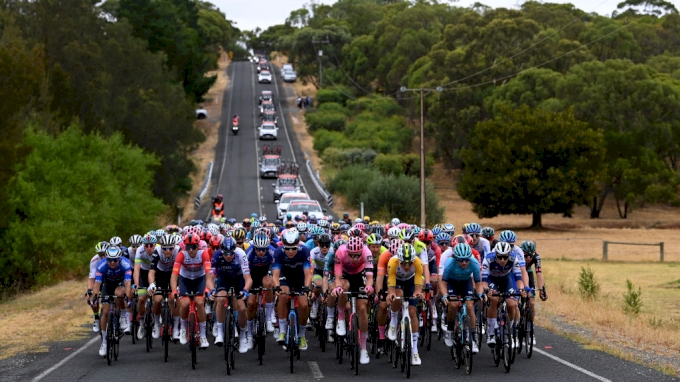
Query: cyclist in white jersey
(94, 262)
(478, 242)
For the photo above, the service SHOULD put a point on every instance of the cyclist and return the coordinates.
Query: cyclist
(135, 242)
(189, 276)
(318, 262)
(381, 290)
(354, 270)
(478, 242)
(533, 259)
(230, 270)
(260, 257)
(329, 284)
(488, 233)
(113, 277)
(461, 278)
(405, 279)
(426, 238)
(100, 248)
(143, 260)
(500, 273)
(159, 277)
(291, 271)
(239, 235)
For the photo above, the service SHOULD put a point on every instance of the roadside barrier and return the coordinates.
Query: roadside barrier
(204, 188)
(319, 186)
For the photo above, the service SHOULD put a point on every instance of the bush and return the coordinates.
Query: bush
(331, 120)
(379, 105)
(72, 191)
(324, 139)
(333, 95)
(387, 135)
(632, 300)
(389, 164)
(352, 182)
(337, 158)
(587, 285)
(388, 197)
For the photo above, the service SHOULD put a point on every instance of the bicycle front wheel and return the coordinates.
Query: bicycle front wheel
(109, 340)
(192, 339)
(506, 335)
(355, 343)
(228, 330)
(261, 334)
(408, 343)
(529, 336)
(292, 341)
(467, 349)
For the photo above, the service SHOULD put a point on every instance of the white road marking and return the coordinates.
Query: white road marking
(314, 368)
(63, 361)
(257, 150)
(571, 365)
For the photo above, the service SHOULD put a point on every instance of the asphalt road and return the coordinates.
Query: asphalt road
(236, 176)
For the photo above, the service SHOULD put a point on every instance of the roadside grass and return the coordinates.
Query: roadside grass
(211, 128)
(56, 313)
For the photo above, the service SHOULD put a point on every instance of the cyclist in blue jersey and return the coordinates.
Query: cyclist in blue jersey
(260, 257)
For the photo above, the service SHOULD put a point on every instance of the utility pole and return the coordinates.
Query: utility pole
(320, 54)
(439, 89)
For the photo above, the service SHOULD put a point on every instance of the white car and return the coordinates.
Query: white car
(282, 204)
(312, 207)
(264, 77)
(268, 130)
(201, 114)
(289, 76)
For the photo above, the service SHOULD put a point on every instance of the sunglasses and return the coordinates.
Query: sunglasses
(407, 264)
(191, 247)
(354, 255)
(463, 260)
(239, 243)
(474, 235)
(427, 242)
(168, 248)
(528, 254)
(134, 246)
(149, 245)
(112, 260)
(290, 249)
(228, 254)
(502, 257)
(444, 244)
(260, 249)
(324, 245)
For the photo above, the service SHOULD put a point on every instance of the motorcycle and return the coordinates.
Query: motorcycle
(234, 128)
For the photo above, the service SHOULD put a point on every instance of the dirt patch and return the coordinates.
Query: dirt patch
(30, 321)
(211, 128)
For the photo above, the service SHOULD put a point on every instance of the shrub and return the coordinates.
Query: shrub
(389, 164)
(587, 285)
(383, 134)
(352, 182)
(324, 139)
(391, 196)
(333, 95)
(329, 120)
(72, 191)
(632, 300)
(379, 105)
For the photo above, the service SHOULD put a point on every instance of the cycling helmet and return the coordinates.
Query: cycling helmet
(325, 239)
(215, 241)
(443, 237)
(436, 231)
(167, 240)
(149, 239)
(355, 244)
(192, 239)
(528, 246)
(462, 251)
(395, 245)
(378, 230)
(253, 215)
(460, 239)
(395, 222)
(416, 230)
(374, 239)
(239, 234)
(393, 233)
(206, 235)
(116, 241)
(360, 226)
(214, 231)
(301, 227)
(465, 227)
(407, 234)
(488, 232)
(406, 253)
(261, 241)
(335, 227)
(172, 228)
(291, 238)
(344, 227)
(474, 228)
(508, 236)
(502, 248)
(231, 221)
(192, 223)
(262, 219)
(278, 222)
(159, 233)
(113, 252)
(339, 243)
(426, 235)
(228, 245)
(449, 228)
(101, 247)
(176, 239)
(355, 232)
(255, 224)
(323, 223)
(135, 240)
(219, 197)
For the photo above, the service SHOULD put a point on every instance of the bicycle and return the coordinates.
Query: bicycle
(148, 324)
(402, 348)
(259, 323)
(373, 334)
(526, 326)
(167, 321)
(292, 339)
(504, 348)
(425, 337)
(480, 313)
(230, 332)
(353, 347)
(461, 351)
(135, 320)
(320, 325)
(193, 332)
(113, 331)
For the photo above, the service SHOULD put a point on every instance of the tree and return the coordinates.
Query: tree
(529, 161)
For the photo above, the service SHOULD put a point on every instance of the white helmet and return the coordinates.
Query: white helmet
(502, 248)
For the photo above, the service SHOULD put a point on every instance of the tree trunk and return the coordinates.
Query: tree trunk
(618, 207)
(598, 202)
(536, 221)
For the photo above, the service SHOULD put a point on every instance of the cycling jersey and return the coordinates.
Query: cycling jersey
(449, 254)
(344, 264)
(483, 247)
(94, 262)
(257, 262)
(396, 272)
(310, 244)
(236, 267)
(291, 267)
(122, 271)
(535, 261)
(164, 263)
(191, 267)
(385, 257)
(492, 269)
(519, 255)
(145, 259)
(329, 265)
(453, 271)
(318, 259)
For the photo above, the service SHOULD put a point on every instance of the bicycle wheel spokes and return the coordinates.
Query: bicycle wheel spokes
(507, 342)
(408, 342)
(355, 345)
(192, 339)
(228, 330)
(467, 350)
(530, 337)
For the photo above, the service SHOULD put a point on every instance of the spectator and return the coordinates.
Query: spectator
(309, 101)
(299, 102)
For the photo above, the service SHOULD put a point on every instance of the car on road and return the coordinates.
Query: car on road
(270, 116)
(266, 96)
(264, 77)
(268, 130)
(297, 207)
(286, 183)
(287, 67)
(262, 65)
(289, 76)
(282, 204)
(269, 166)
(201, 114)
(267, 106)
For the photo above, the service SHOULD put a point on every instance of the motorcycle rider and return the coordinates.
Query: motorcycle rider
(234, 120)
(218, 207)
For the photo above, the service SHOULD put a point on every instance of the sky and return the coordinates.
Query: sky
(265, 13)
